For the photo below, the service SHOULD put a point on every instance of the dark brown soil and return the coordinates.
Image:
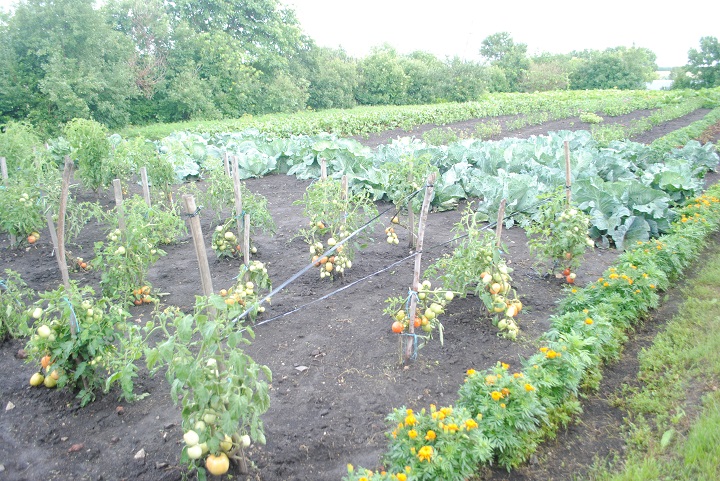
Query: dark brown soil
(328, 415)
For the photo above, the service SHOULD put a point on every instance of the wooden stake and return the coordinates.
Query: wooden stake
(4, 170)
(416, 274)
(568, 178)
(117, 187)
(499, 226)
(60, 251)
(200, 252)
(246, 240)
(226, 163)
(53, 231)
(411, 216)
(238, 196)
(145, 185)
(323, 169)
(344, 187)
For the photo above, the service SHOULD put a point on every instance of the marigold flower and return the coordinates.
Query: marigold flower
(447, 411)
(401, 477)
(613, 276)
(606, 284)
(505, 391)
(543, 349)
(573, 290)
(363, 478)
(412, 434)
(410, 420)
(430, 436)
(502, 405)
(490, 380)
(518, 375)
(504, 366)
(551, 354)
(588, 321)
(529, 387)
(452, 427)
(496, 395)
(471, 424)
(470, 372)
(652, 286)
(425, 453)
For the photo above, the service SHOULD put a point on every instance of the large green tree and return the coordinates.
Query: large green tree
(502, 52)
(64, 61)
(382, 78)
(703, 67)
(333, 79)
(614, 68)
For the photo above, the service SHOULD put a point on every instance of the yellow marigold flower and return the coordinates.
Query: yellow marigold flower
(585, 311)
(433, 408)
(394, 434)
(551, 354)
(363, 478)
(408, 469)
(401, 477)
(652, 286)
(504, 366)
(543, 349)
(600, 279)
(505, 391)
(535, 366)
(412, 434)
(410, 420)
(425, 453)
(502, 405)
(409, 411)
(588, 321)
(630, 282)
(350, 468)
(633, 266)
(645, 275)
(447, 411)
(470, 372)
(613, 276)
(518, 375)
(430, 436)
(637, 291)
(659, 246)
(471, 424)
(490, 380)
(496, 395)
(452, 427)
(529, 387)
(606, 284)
(573, 290)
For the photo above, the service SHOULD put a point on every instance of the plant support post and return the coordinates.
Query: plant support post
(145, 186)
(196, 230)
(60, 251)
(568, 178)
(416, 274)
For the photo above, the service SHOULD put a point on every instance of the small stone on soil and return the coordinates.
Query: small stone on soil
(76, 447)
(120, 410)
(21, 354)
(140, 454)
(10, 406)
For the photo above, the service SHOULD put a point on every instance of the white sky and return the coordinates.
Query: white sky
(457, 27)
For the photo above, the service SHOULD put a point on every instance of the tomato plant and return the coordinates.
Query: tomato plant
(477, 267)
(22, 211)
(223, 391)
(430, 304)
(333, 217)
(246, 292)
(558, 236)
(14, 316)
(100, 352)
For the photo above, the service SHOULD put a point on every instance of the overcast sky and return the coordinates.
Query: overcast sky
(457, 27)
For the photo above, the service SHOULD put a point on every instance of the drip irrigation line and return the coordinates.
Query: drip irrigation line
(330, 294)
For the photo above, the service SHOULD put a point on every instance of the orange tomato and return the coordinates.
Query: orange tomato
(45, 361)
(31, 239)
(397, 327)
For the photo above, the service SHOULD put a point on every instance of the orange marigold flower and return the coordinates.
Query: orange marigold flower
(410, 420)
(551, 354)
(504, 366)
(425, 453)
(430, 436)
(505, 391)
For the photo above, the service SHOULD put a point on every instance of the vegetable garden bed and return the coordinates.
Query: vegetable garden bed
(336, 374)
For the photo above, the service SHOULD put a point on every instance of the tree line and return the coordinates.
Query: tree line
(145, 61)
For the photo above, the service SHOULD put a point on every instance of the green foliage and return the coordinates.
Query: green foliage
(615, 68)
(382, 78)
(90, 149)
(93, 358)
(14, 294)
(558, 234)
(22, 209)
(334, 79)
(508, 56)
(591, 118)
(18, 143)
(334, 215)
(223, 391)
(703, 67)
(509, 411)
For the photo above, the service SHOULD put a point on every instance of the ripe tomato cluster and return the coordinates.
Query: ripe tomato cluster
(503, 302)
(141, 295)
(332, 265)
(431, 304)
